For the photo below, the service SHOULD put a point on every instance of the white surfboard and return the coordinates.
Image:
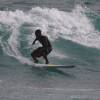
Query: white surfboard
(52, 66)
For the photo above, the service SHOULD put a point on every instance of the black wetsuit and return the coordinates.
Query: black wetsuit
(45, 44)
(42, 51)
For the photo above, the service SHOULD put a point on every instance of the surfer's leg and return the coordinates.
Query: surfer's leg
(34, 58)
(37, 53)
(46, 51)
(46, 59)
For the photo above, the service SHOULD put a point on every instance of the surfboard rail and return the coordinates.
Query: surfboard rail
(53, 66)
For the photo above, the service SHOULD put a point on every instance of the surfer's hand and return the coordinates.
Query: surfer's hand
(34, 42)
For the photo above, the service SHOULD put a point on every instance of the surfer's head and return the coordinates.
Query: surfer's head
(38, 33)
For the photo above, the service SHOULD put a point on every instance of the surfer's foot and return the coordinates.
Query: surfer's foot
(47, 62)
(36, 61)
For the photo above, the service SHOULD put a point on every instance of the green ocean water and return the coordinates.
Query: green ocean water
(73, 27)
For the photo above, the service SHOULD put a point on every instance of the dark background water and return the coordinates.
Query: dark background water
(27, 4)
(62, 5)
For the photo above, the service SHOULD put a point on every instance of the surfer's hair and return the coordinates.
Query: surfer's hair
(38, 32)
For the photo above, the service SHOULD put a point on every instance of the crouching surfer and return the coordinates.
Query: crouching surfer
(41, 51)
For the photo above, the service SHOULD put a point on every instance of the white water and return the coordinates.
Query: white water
(75, 26)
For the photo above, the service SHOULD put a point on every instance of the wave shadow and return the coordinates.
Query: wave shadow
(58, 71)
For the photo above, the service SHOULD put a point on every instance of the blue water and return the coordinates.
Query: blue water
(73, 27)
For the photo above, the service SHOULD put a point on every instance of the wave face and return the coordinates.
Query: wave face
(73, 34)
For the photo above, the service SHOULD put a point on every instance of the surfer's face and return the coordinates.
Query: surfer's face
(38, 33)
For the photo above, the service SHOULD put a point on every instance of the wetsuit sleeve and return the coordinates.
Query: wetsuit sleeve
(34, 41)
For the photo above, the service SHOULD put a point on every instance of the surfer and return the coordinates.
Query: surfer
(41, 51)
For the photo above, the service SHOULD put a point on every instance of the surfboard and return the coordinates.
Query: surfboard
(53, 66)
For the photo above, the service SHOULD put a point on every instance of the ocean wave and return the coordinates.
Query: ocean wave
(17, 29)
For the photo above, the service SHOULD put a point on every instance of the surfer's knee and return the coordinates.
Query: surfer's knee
(31, 54)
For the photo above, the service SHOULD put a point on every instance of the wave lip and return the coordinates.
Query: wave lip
(18, 27)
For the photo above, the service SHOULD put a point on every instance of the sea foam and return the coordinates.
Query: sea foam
(74, 26)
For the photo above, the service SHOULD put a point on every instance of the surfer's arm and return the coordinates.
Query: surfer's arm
(34, 41)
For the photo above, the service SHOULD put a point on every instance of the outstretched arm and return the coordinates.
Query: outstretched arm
(34, 41)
